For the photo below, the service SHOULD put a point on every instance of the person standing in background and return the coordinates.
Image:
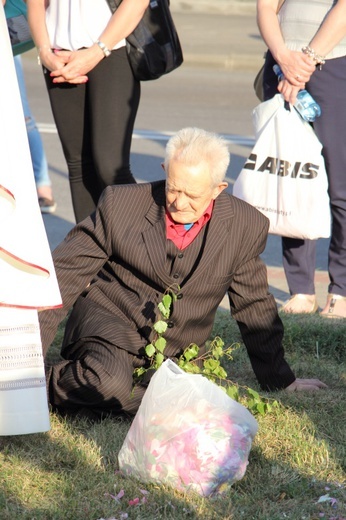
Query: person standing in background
(93, 93)
(308, 41)
(39, 161)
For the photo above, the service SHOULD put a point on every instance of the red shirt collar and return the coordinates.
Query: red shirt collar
(182, 237)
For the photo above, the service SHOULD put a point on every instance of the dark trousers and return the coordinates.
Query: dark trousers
(328, 88)
(96, 377)
(95, 122)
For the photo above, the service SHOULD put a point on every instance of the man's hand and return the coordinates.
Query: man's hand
(305, 384)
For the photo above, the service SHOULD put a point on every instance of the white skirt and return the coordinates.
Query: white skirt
(23, 396)
(27, 276)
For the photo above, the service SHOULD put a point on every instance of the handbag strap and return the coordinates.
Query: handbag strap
(280, 4)
(113, 5)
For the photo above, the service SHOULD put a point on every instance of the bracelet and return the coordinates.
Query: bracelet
(317, 58)
(103, 48)
(39, 49)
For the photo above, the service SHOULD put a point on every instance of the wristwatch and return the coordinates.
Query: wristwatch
(104, 49)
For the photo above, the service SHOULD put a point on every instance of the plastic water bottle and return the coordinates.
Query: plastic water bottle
(305, 103)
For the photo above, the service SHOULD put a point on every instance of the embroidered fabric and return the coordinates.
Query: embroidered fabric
(23, 396)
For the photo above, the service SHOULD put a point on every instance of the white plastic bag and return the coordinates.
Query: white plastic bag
(285, 177)
(188, 434)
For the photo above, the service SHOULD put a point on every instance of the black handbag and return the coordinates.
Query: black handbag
(153, 48)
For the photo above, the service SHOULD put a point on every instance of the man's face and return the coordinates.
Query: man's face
(189, 191)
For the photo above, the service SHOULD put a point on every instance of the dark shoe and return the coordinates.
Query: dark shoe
(47, 205)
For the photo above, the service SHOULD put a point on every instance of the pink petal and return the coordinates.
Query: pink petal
(120, 494)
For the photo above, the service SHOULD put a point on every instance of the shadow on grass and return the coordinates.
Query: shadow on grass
(71, 473)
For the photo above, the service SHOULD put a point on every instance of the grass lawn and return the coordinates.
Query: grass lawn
(297, 465)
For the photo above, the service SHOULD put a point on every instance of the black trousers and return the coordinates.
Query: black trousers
(99, 353)
(97, 377)
(95, 122)
(328, 88)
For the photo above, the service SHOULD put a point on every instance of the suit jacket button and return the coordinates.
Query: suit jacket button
(179, 296)
(170, 324)
(175, 276)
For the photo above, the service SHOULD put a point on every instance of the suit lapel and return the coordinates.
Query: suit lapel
(219, 228)
(155, 237)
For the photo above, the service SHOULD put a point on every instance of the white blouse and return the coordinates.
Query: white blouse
(301, 19)
(73, 24)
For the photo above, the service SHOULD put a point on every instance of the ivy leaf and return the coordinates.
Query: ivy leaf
(160, 344)
(150, 350)
(167, 301)
(221, 373)
(218, 343)
(252, 405)
(191, 368)
(160, 327)
(164, 311)
(191, 352)
(159, 358)
(262, 408)
(252, 393)
(139, 371)
(211, 365)
(232, 392)
(217, 352)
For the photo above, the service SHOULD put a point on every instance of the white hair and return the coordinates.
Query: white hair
(193, 146)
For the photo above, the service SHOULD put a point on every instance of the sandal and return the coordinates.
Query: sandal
(335, 307)
(300, 303)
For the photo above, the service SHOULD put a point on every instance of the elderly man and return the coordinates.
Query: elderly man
(115, 266)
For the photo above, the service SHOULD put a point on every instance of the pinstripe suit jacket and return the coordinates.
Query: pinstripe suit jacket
(121, 251)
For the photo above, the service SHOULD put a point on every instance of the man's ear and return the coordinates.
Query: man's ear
(222, 186)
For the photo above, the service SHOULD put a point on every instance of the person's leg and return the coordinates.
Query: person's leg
(299, 256)
(298, 260)
(68, 103)
(95, 123)
(97, 376)
(38, 156)
(299, 264)
(114, 97)
(328, 87)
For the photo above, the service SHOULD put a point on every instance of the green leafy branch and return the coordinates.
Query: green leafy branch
(155, 349)
(208, 363)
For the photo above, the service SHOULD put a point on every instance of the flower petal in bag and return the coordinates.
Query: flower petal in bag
(188, 434)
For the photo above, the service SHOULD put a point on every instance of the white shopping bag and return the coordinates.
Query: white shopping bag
(284, 177)
(188, 434)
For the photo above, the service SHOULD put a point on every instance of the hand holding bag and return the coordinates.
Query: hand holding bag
(188, 434)
(18, 27)
(284, 177)
(258, 81)
(153, 48)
